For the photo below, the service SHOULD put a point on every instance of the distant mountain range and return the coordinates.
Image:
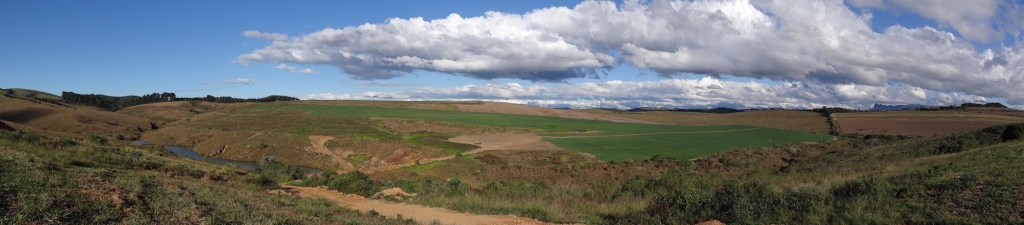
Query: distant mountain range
(883, 107)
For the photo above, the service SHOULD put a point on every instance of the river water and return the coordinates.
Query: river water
(188, 153)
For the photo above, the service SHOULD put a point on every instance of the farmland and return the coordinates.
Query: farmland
(503, 163)
(803, 121)
(997, 111)
(606, 140)
(918, 123)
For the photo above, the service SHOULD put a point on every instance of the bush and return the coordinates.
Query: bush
(1013, 132)
(354, 182)
(134, 157)
(100, 140)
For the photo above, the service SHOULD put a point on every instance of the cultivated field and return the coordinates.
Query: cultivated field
(386, 134)
(918, 123)
(803, 121)
(997, 111)
(606, 140)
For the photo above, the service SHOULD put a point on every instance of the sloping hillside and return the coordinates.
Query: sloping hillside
(66, 122)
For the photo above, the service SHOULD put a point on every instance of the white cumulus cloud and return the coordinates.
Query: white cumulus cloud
(821, 43)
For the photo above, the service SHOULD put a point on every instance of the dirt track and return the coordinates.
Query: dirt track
(421, 214)
(319, 145)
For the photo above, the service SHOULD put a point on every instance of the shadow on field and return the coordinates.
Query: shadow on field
(4, 126)
(25, 115)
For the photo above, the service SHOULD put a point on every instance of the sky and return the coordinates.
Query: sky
(579, 54)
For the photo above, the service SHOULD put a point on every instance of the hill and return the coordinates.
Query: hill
(82, 183)
(29, 93)
(68, 122)
(883, 107)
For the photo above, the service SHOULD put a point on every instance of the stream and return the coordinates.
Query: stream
(188, 153)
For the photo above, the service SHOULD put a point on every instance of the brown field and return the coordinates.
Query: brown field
(803, 121)
(918, 123)
(67, 122)
(997, 111)
(165, 112)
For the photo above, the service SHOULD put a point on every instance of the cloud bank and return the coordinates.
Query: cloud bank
(705, 92)
(823, 44)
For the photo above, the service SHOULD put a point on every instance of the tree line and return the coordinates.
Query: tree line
(114, 103)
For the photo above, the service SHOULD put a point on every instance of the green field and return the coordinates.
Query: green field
(606, 140)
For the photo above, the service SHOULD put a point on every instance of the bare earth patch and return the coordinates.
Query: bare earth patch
(421, 214)
(523, 141)
(318, 145)
(487, 142)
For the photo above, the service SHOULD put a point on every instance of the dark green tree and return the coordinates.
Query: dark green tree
(1013, 132)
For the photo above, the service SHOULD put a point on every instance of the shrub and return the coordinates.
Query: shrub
(1013, 132)
(354, 182)
(134, 157)
(100, 140)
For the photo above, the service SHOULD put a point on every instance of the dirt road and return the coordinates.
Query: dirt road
(319, 145)
(421, 214)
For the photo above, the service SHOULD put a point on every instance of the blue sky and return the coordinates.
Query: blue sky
(195, 48)
(187, 47)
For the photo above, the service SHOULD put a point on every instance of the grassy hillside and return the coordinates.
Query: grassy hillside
(88, 184)
(67, 122)
(965, 178)
(21, 92)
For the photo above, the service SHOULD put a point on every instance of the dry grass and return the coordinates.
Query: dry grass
(918, 123)
(66, 122)
(166, 112)
(802, 121)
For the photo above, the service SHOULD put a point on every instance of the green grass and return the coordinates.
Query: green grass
(680, 145)
(639, 140)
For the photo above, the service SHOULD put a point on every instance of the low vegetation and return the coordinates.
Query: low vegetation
(951, 179)
(94, 184)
